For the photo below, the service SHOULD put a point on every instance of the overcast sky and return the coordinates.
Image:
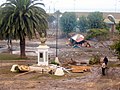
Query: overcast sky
(81, 5)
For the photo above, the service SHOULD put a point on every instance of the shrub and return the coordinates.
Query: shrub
(53, 62)
(116, 47)
(95, 59)
(99, 34)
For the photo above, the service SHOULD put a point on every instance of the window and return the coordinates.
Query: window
(41, 57)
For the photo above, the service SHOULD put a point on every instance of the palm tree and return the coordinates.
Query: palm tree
(22, 18)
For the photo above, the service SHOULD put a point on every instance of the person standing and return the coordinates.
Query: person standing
(103, 68)
(105, 60)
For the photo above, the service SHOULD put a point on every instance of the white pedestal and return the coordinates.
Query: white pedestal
(43, 55)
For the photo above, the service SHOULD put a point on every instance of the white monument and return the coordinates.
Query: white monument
(43, 52)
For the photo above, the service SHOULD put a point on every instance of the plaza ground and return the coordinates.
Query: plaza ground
(92, 80)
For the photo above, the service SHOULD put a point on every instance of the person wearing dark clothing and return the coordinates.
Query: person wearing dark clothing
(105, 60)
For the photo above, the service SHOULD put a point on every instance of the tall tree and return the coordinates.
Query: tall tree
(96, 20)
(118, 27)
(116, 44)
(51, 19)
(82, 24)
(22, 18)
(99, 34)
(68, 22)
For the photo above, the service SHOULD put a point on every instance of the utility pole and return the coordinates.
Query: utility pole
(57, 36)
(57, 14)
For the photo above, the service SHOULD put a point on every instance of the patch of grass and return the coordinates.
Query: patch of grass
(7, 56)
(95, 59)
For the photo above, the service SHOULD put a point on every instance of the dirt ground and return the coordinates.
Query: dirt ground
(92, 80)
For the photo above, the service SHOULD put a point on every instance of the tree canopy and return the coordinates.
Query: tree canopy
(83, 24)
(99, 34)
(116, 45)
(21, 18)
(96, 20)
(68, 22)
(118, 27)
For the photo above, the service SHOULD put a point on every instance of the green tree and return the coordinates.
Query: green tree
(51, 19)
(96, 20)
(118, 27)
(22, 18)
(99, 34)
(68, 22)
(57, 19)
(82, 24)
(116, 45)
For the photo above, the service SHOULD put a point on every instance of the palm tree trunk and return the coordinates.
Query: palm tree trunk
(22, 47)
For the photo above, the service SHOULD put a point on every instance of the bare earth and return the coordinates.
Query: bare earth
(92, 80)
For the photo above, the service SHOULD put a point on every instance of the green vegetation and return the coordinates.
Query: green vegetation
(7, 56)
(116, 45)
(82, 24)
(53, 62)
(68, 22)
(51, 18)
(99, 34)
(95, 59)
(118, 27)
(96, 20)
(20, 19)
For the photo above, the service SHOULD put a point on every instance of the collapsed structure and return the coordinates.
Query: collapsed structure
(78, 40)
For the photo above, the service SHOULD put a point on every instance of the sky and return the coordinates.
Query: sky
(80, 5)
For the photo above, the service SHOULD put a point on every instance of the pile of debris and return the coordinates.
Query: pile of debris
(78, 41)
(58, 70)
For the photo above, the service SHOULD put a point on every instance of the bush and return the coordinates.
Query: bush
(95, 59)
(116, 47)
(53, 62)
(99, 34)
